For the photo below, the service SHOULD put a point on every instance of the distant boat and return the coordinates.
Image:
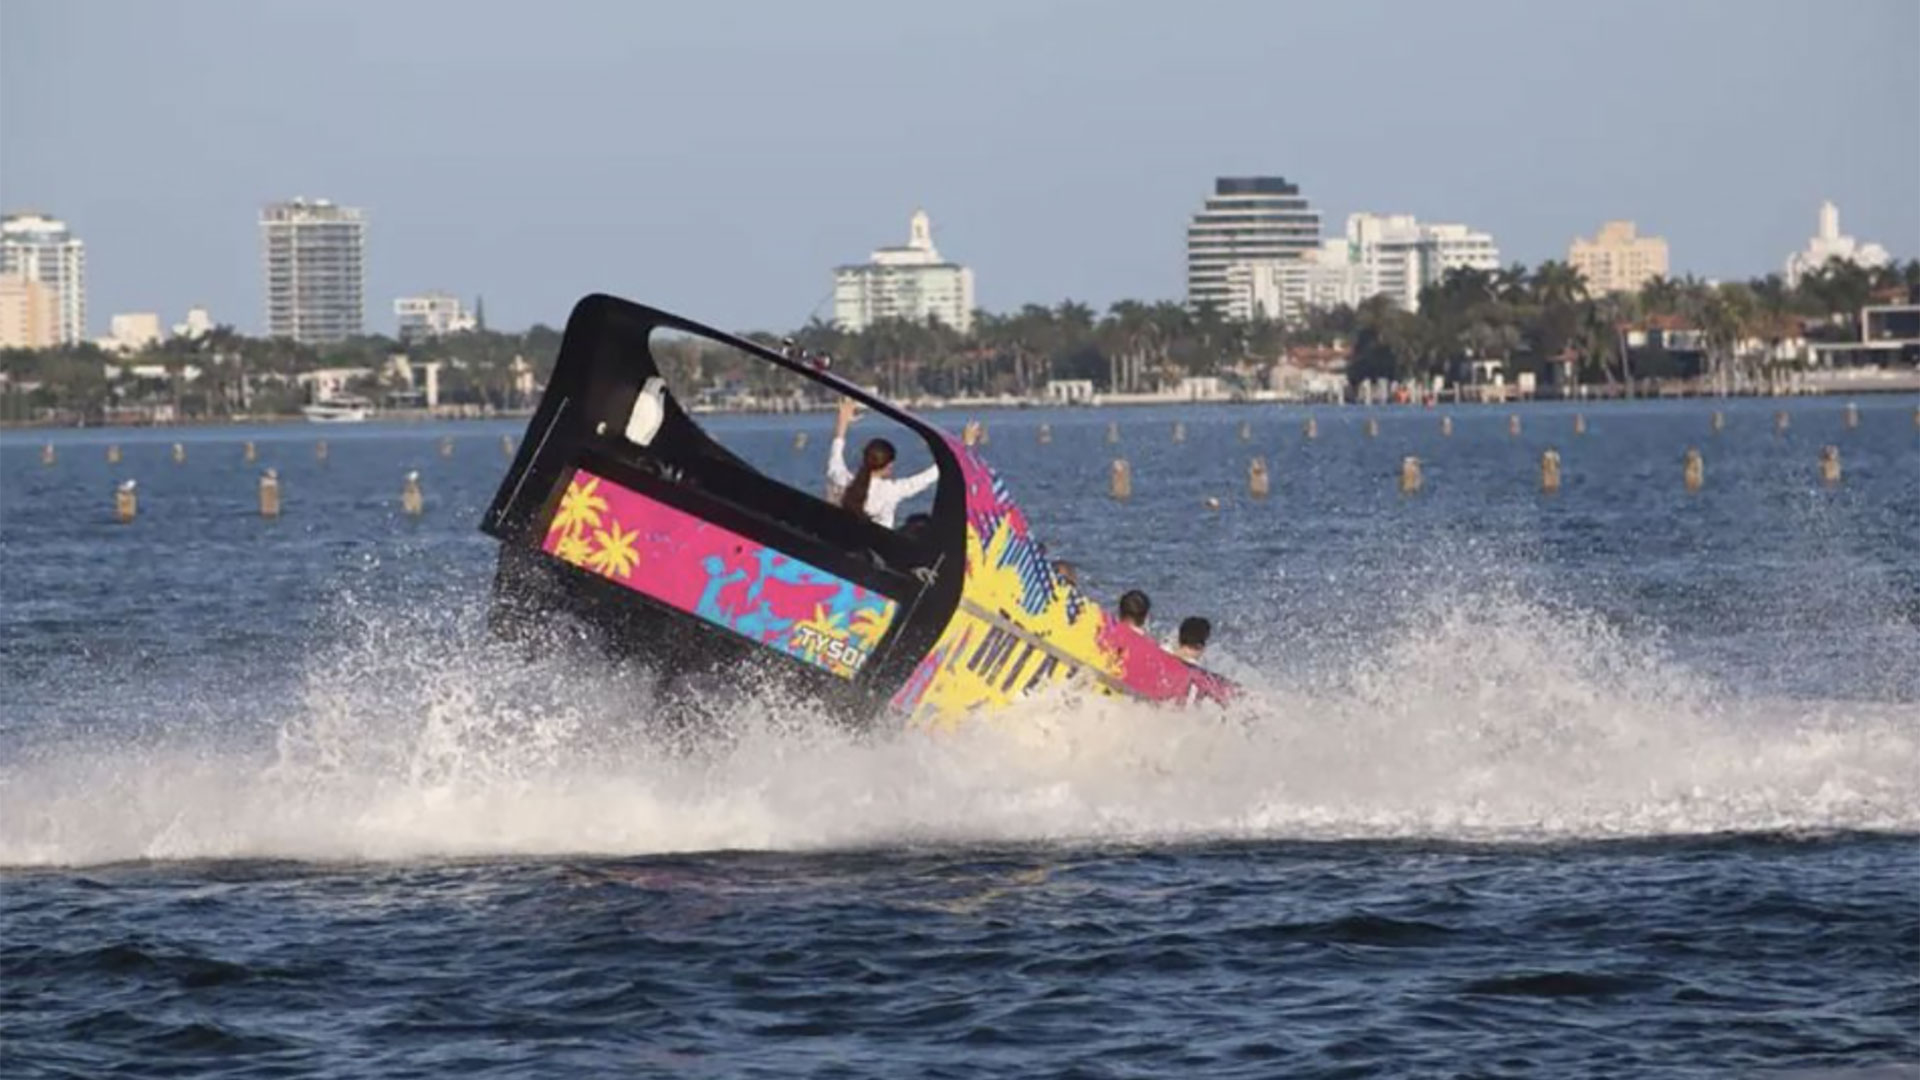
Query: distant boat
(339, 410)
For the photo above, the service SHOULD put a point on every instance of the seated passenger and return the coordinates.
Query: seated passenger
(1192, 641)
(871, 491)
(916, 527)
(1134, 606)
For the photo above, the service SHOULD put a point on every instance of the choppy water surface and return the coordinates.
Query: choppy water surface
(1624, 781)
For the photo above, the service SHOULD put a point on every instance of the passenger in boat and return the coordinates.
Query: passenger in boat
(872, 491)
(1192, 640)
(1134, 607)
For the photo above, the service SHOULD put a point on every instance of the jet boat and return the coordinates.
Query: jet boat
(621, 514)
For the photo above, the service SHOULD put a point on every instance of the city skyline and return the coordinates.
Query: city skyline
(1052, 182)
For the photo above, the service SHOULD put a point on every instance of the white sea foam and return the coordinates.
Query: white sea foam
(1478, 718)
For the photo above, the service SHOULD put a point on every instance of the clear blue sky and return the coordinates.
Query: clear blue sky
(718, 159)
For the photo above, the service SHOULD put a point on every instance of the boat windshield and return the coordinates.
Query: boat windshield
(781, 422)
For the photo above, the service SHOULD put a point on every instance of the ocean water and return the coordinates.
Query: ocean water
(1619, 782)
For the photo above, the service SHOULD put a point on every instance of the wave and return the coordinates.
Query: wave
(1477, 716)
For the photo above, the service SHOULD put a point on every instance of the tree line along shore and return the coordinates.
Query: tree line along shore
(1537, 326)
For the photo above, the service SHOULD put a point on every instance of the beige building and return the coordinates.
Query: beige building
(42, 248)
(1618, 259)
(131, 332)
(29, 313)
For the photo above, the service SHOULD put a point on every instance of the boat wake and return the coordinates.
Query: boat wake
(1475, 718)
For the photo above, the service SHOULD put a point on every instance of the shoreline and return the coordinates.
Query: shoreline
(1874, 388)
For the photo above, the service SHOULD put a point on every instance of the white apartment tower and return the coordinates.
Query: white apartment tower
(39, 248)
(313, 254)
(1392, 255)
(910, 282)
(1828, 244)
(1247, 219)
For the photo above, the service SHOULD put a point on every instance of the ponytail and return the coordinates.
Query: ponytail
(877, 455)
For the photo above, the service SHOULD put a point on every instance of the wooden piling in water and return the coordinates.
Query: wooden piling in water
(1550, 471)
(1410, 479)
(1311, 429)
(799, 440)
(1120, 479)
(1694, 473)
(179, 454)
(1719, 423)
(412, 502)
(1830, 465)
(47, 455)
(126, 504)
(1259, 484)
(270, 494)
(1579, 423)
(1246, 431)
(113, 454)
(1446, 425)
(1373, 427)
(1851, 418)
(506, 446)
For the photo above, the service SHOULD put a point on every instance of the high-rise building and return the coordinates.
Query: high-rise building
(1399, 256)
(1618, 259)
(44, 249)
(1829, 244)
(1247, 219)
(910, 282)
(1456, 247)
(431, 315)
(1382, 255)
(1284, 290)
(313, 255)
(29, 313)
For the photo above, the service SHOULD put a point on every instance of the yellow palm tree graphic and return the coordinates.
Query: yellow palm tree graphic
(868, 627)
(580, 508)
(826, 628)
(615, 557)
(573, 548)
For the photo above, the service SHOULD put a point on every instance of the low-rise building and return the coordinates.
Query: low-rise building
(130, 332)
(1889, 337)
(197, 325)
(1069, 391)
(432, 315)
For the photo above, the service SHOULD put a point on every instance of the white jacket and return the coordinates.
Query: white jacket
(884, 494)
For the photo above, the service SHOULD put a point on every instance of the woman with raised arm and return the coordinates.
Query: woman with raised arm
(872, 490)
